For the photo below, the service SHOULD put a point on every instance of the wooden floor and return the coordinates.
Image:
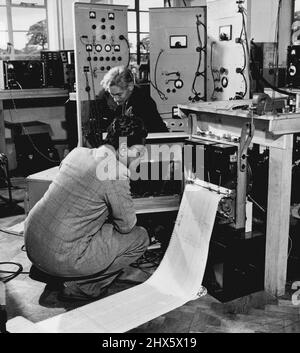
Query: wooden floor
(257, 312)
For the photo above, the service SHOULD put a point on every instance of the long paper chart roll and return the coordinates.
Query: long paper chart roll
(176, 281)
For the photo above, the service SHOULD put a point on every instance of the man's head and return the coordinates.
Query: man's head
(119, 82)
(128, 136)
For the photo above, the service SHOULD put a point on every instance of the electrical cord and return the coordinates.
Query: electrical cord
(90, 132)
(246, 53)
(18, 83)
(257, 204)
(202, 49)
(93, 107)
(81, 40)
(291, 246)
(162, 96)
(7, 232)
(246, 84)
(128, 45)
(13, 274)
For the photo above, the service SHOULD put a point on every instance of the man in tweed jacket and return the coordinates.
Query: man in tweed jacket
(84, 229)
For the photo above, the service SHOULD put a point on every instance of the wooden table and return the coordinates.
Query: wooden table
(276, 132)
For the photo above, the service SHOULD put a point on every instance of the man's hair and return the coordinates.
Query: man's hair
(130, 127)
(119, 76)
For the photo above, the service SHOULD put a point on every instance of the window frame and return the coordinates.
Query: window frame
(10, 31)
(138, 32)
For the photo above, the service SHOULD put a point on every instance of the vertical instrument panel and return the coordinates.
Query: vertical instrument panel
(177, 57)
(100, 37)
(227, 50)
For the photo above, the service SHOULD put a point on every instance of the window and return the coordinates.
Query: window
(23, 28)
(138, 27)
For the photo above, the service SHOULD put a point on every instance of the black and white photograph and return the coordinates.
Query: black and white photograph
(149, 170)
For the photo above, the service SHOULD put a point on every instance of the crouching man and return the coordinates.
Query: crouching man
(83, 231)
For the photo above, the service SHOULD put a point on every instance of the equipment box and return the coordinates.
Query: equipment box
(36, 186)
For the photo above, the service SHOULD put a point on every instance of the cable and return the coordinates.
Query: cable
(83, 37)
(128, 45)
(291, 241)
(246, 84)
(91, 131)
(162, 96)
(200, 49)
(246, 52)
(18, 83)
(256, 204)
(93, 107)
(13, 274)
(7, 232)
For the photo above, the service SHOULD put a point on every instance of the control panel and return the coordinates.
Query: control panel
(21, 74)
(54, 76)
(101, 43)
(227, 50)
(177, 57)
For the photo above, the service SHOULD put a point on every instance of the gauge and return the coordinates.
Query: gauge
(107, 47)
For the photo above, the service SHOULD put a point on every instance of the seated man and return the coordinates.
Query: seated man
(120, 94)
(84, 229)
